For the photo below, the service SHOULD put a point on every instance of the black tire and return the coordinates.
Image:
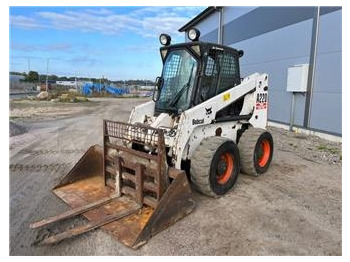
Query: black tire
(256, 151)
(215, 166)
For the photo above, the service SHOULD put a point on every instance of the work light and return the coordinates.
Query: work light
(165, 39)
(193, 34)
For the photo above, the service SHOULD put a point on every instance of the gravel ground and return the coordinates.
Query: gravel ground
(293, 209)
(310, 148)
(16, 129)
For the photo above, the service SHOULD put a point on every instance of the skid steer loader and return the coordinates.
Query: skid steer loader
(204, 124)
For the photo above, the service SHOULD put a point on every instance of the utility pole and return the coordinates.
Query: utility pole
(28, 64)
(220, 27)
(76, 84)
(47, 74)
(312, 67)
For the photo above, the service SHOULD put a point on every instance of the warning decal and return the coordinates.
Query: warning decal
(226, 96)
(259, 106)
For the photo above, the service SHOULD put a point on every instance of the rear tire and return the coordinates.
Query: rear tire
(256, 151)
(215, 166)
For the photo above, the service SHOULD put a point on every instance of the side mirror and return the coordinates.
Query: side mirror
(159, 82)
(240, 53)
(157, 87)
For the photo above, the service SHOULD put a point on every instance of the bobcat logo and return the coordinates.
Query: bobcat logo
(208, 111)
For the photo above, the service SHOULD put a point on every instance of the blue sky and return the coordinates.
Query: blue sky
(114, 42)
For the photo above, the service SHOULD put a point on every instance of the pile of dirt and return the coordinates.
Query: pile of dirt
(44, 95)
(16, 129)
(71, 97)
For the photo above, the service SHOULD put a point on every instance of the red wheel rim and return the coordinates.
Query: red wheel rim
(227, 160)
(265, 149)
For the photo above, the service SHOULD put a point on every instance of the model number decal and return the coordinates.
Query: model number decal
(261, 97)
(261, 101)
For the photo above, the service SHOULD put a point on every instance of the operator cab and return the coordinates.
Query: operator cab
(193, 72)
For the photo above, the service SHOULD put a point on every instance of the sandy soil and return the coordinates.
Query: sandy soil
(293, 209)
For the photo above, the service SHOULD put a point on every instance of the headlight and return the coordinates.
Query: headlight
(193, 34)
(165, 39)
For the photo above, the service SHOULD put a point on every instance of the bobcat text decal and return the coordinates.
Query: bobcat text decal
(197, 121)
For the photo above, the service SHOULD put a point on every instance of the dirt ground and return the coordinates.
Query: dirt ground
(293, 209)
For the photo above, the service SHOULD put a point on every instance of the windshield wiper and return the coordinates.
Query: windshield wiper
(178, 96)
(183, 89)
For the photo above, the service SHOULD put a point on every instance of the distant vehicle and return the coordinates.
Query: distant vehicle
(66, 83)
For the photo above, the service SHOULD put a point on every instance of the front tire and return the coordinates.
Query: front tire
(256, 151)
(215, 166)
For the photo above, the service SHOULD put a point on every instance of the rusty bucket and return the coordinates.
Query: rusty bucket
(129, 193)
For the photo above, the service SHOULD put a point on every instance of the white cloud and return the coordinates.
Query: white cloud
(147, 21)
(190, 11)
(87, 22)
(64, 47)
(163, 24)
(25, 22)
(101, 11)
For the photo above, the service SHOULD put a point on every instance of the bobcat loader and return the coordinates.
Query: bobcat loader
(204, 124)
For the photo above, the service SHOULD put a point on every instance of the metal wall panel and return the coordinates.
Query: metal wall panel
(208, 28)
(212, 37)
(232, 13)
(326, 104)
(273, 53)
(326, 112)
(263, 20)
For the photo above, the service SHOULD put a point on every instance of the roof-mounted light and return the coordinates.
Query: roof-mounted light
(193, 34)
(165, 39)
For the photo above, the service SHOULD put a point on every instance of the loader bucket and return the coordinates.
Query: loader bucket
(130, 194)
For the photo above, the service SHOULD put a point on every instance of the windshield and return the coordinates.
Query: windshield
(178, 74)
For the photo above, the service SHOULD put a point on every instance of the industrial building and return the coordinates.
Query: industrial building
(301, 50)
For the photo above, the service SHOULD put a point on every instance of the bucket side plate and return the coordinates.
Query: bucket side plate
(176, 203)
(89, 165)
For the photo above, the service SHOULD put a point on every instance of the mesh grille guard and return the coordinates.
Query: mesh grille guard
(139, 133)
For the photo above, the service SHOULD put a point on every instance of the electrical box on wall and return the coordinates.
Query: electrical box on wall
(297, 78)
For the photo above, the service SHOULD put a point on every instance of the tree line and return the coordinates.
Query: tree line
(34, 77)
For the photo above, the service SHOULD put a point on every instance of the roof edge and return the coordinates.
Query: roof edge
(205, 13)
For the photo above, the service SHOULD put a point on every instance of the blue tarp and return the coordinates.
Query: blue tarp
(89, 88)
(116, 90)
